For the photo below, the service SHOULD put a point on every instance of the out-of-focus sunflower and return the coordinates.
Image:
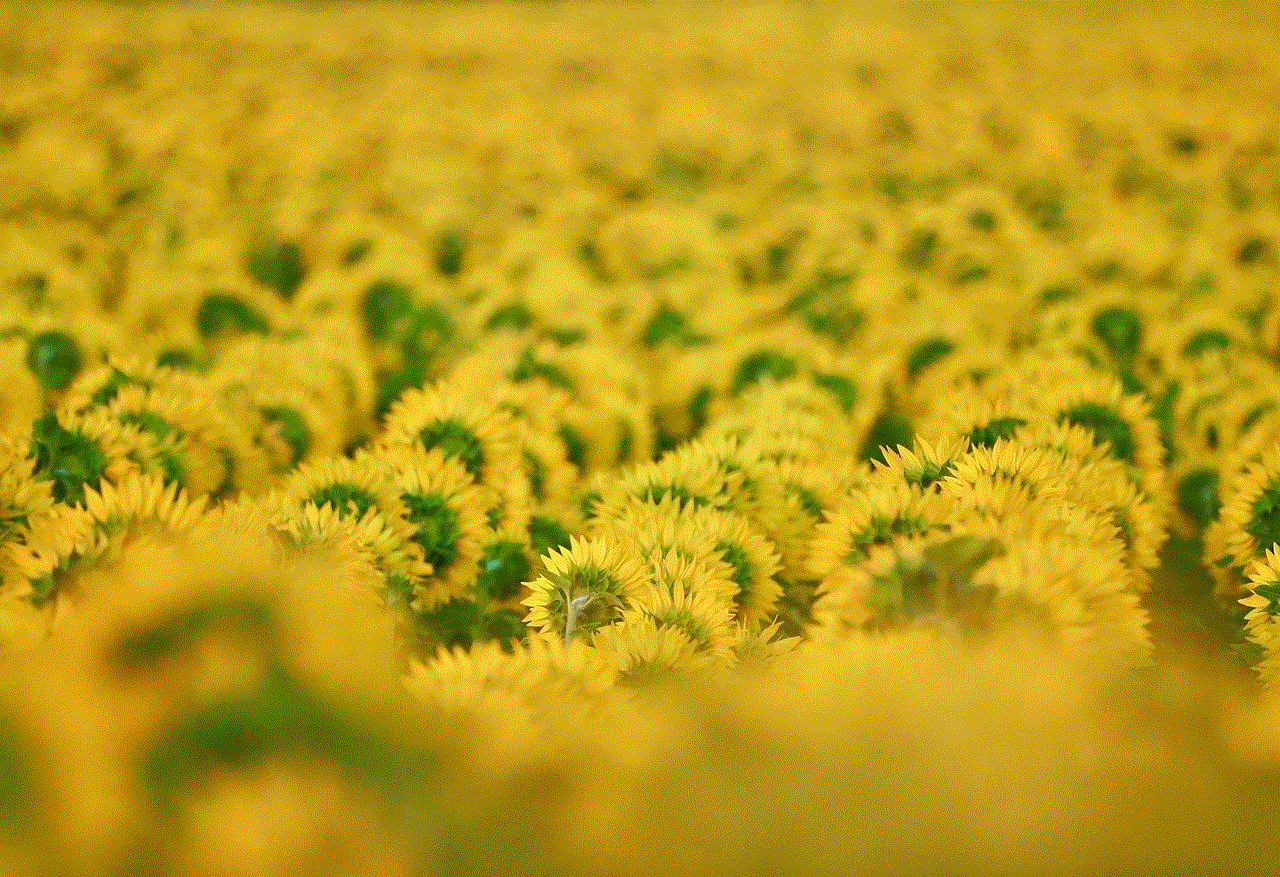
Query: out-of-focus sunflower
(644, 651)
(397, 559)
(60, 556)
(21, 397)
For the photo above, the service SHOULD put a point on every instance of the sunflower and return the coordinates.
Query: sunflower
(1031, 469)
(447, 510)
(327, 366)
(699, 473)
(193, 440)
(761, 646)
(800, 496)
(353, 486)
(975, 415)
(99, 383)
(583, 588)
(72, 540)
(24, 499)
(1263, 603)
(471, 426)
(643, 651)
(291, 429)
(681, 594)
(1248, 525)
(796, 419)
(386, 543)
(1119, 420)
(922, 465)
(458, 680)
(882, 512)
(1067, 575)
(75, 451)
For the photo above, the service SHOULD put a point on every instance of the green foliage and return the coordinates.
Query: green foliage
(1264, 518)
(1107, 425)
(386, 307)
(926, 353)
(451, 251)
(504, 568)
(988, 434)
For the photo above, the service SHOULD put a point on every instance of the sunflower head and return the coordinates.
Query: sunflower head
(583, 588)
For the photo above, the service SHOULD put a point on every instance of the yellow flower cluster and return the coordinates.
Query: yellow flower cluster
(551, 441)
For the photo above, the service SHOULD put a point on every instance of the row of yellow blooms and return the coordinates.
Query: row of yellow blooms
(455, 362)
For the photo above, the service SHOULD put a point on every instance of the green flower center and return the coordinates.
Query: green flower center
(223, 312)
(537, 476)
(53, 358)
(293, 429)
(504, 567)
(456, 441)
(929, 473)
(1264, 522)
(437, 528)
(176, 358)
(987, 435)
(1198, 496)
(593, 591)
(346, 498)
(1107, 425)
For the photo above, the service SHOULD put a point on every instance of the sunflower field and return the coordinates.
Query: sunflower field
(639, 439)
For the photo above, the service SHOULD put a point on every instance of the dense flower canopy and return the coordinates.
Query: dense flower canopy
(634, 440)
